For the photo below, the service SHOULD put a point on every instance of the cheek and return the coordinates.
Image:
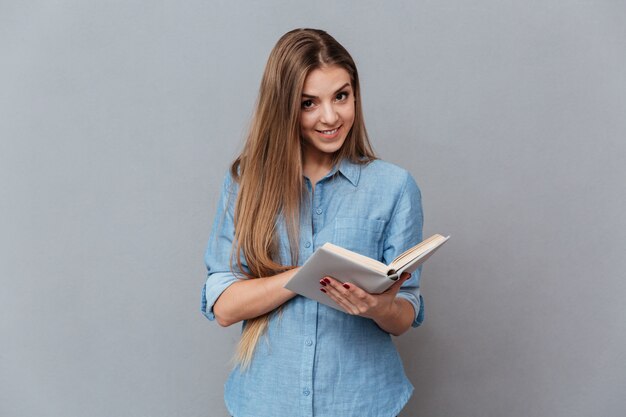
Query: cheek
(305, 122)
(348, 115)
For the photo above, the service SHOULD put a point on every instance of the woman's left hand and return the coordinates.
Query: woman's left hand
(357, 301)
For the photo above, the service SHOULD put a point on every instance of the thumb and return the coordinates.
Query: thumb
(396, 285)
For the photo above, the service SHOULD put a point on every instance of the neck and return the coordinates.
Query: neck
(315, 165)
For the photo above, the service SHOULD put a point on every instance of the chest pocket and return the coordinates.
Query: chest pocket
(360, 235)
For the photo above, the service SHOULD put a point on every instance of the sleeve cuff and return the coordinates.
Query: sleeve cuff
(417, 302)
(214, 287)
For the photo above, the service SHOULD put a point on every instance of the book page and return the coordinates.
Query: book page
(372, 263)
(418, 251)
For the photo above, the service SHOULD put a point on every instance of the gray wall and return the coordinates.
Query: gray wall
(118, 120)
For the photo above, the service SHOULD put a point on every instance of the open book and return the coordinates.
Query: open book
(367, 273)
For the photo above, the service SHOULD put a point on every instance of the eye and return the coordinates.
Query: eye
(307, 104)
(342, 96)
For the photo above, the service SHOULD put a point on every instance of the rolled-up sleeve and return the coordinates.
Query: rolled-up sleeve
(217, 256)
(405, 231)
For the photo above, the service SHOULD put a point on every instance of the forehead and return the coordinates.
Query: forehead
(325, 80)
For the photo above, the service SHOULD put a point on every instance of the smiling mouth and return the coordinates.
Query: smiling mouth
(329, 132)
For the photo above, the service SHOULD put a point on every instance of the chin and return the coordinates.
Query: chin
(330, 148)
(322, 145)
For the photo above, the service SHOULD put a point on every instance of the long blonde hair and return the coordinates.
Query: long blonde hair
(269, 169)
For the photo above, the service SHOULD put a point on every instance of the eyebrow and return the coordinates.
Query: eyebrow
(338, 90)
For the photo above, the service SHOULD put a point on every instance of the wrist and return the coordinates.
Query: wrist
(389, 313)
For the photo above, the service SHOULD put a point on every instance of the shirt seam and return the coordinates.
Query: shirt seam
(395, 209)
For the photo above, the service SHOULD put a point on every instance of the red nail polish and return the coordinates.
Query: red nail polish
(322, 282)
(326, 280)
(322, 290)
(346, 286)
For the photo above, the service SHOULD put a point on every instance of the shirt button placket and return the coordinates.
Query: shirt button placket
(308, 358)
(310, 314)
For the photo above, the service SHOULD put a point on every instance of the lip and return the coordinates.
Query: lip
(334, 135)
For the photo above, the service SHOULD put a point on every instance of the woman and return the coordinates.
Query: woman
(306, 176)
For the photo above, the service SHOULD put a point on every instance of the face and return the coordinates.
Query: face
(326, 111)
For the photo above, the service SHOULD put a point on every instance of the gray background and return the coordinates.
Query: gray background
(118, 120)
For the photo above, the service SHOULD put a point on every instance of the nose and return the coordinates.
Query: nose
(329, 114)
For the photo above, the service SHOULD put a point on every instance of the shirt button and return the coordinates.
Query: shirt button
(308, 342)
(307, 245)
(318, 211)
(306, 392)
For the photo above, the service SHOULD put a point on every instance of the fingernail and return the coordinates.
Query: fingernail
(322, 282)
(346, 286)
(326, 280)
(322, 290)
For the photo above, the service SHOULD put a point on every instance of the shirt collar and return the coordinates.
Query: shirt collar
(350, 170)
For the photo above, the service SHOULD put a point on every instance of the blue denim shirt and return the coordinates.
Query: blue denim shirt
(315, 360)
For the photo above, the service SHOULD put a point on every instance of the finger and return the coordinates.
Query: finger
(340, 294)
(340, 301)
(360, 300)
(336, 289)
(342, 290)
(395, 288)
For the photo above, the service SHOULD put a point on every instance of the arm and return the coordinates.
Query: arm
(249, 298)
(225, 296)
(405, 231)
(399, 318)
